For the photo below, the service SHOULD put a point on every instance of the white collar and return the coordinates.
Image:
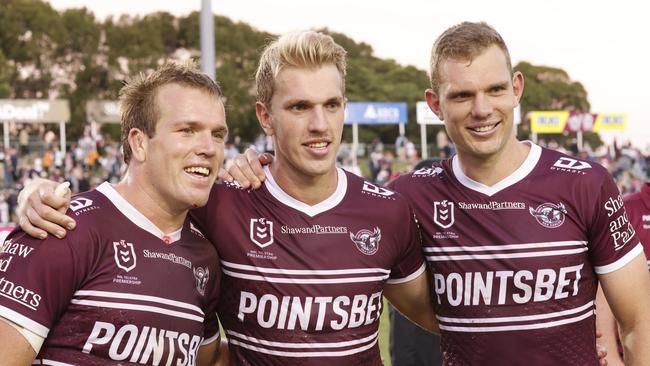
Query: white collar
(330, 202)
(134, 215)
(520, 173)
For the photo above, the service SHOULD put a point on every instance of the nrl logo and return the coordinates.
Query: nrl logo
(261, 232)
(443, 213)
(549, 215)
(124, 255)
(367, 241)
(201, 275)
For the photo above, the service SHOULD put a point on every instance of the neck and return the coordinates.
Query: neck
(494, 169)
(144, 198)
(310, 190)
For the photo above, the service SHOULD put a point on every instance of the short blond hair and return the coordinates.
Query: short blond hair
(304, 49)
(463, 42)
(137, 97)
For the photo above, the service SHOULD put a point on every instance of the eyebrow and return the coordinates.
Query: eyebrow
(456, 93)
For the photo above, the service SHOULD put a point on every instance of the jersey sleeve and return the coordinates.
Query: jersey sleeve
(37, 281)
(410, 263)
(612, 240)
(211, 322)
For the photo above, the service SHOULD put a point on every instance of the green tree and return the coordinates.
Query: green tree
(549, 88)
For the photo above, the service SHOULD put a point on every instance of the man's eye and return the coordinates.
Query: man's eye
(299, 107)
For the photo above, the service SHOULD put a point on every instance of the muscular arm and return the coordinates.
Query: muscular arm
(413, 299)
(14, 347)
(606, 325)
(628, 293)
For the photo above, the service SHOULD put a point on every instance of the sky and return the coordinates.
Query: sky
(601, 44)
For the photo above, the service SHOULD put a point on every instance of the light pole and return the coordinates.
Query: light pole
(207, 39)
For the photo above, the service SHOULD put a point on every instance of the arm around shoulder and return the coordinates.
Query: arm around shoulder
(413, 300)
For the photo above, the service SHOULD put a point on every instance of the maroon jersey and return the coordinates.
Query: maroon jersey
(112, 292)
(514, 265)
(638, 209)
(303, 284)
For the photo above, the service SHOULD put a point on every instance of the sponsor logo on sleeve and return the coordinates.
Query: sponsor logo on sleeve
(11, 249)
(261, 232)
(195, 230)
(620, 228)
(367, 241)
(376, 191)
(443, 213)
(549, 215)
(124, 255)
(82, 204)
(201, 275)
(427, 172)
(19, 294)
(566, 164)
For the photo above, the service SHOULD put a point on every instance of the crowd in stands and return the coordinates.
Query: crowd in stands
(95, 158)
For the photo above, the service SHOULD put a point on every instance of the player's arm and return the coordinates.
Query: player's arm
(213, 354)
(607, 327)
(15, 348)
(628, 293)
(246, 169)
(413, 299)
(41, 209)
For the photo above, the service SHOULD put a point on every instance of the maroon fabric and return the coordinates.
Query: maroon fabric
(638, 210)
(298, 289)
(513, 270)
(111, 292)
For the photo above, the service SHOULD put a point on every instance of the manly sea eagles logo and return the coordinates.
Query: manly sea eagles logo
(549, 215)
(201, 275)
(367, 241)
(443, 213)
(124, 255)
(261, 232)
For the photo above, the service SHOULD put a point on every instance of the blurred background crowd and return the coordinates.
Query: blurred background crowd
(96, 157)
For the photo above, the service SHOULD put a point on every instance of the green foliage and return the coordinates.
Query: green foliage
(551, 89)
(96, 57)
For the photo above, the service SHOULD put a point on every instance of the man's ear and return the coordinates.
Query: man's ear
(264, 117)
(138, 141)
(518, 85)
(433, 101)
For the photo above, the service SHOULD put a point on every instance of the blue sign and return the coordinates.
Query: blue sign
(376, 113)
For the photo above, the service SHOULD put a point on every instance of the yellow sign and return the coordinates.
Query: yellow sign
(610, 122)
(548, 121)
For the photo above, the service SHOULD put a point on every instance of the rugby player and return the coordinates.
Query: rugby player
(136, 282)
(517, 237)
(307, 258)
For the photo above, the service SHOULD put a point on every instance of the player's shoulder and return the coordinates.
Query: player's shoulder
(639, 197)
(436, 172)
(366, 193)
(90, 206)
(571, 168)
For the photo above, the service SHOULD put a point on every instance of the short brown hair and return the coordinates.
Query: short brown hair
(463, 41)
(297, 49)
(137, 97)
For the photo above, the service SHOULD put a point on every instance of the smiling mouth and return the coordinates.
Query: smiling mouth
(318, 145)
(197, 170)
(487, 128)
